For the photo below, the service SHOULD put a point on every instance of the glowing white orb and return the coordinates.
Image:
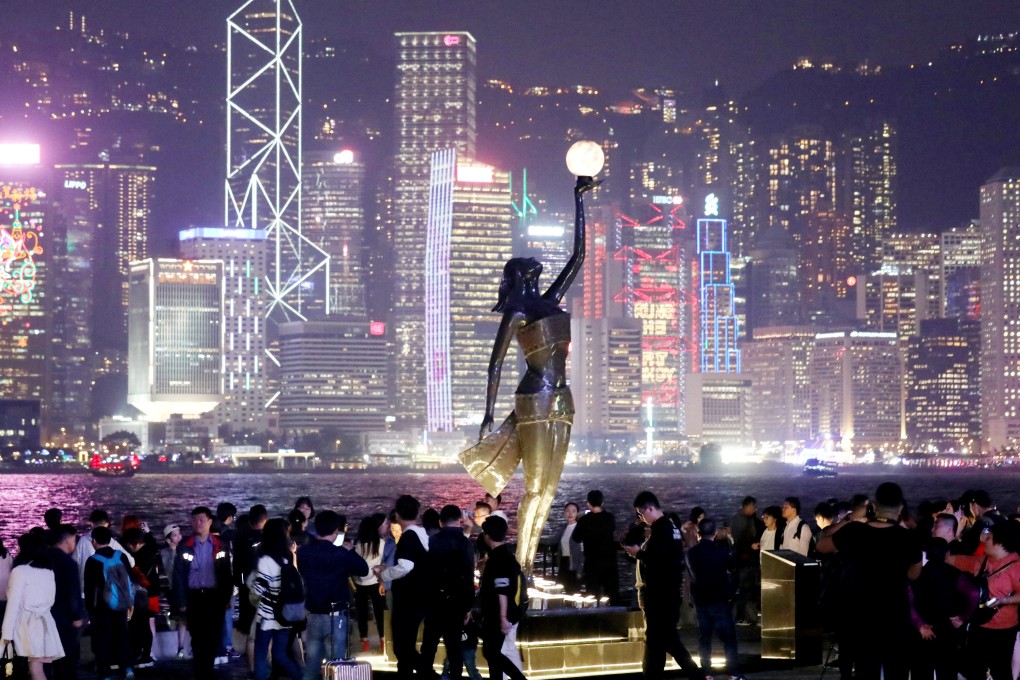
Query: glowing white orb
(585, 159)
(345, 157)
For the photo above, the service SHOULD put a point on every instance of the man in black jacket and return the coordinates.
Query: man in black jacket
(410, 586)
(68, 607)
(660, 562)
(452, 566)
(596, 533)
(711, 569)
(325, 568)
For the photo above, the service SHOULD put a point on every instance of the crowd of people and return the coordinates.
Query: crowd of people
(928, 591)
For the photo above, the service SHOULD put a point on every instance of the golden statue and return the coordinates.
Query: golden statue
(538, 429)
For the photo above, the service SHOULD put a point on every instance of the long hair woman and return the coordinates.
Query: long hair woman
(27, 622)
(538, 430)
(371, 546)
(274, 552)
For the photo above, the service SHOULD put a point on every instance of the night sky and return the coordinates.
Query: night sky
(613, 44)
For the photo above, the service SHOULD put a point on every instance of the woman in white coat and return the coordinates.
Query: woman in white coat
(31, 591)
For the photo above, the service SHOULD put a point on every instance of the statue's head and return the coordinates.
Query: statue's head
(520, 275)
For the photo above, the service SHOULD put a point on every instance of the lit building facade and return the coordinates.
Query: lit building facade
(469, 239)
(960, 272)
(718, 322)
(857, 397)
(719, 408)
(606, 380)
(25, 366)
(333, 375)
(654, 266)
(943, 403)
(264, 152)
(435, 106)
(779, 363)
(919, 253)
(801, 178)
(334, 220)
(894, 300)
(243, 254)
(114, 202)
(1000, 309)
(774, 290)
(175, 337)
(869, 189)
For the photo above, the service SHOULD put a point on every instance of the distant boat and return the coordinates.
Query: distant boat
(819, 468)
(125, 466)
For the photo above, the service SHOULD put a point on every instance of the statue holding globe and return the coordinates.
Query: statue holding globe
(537, 432)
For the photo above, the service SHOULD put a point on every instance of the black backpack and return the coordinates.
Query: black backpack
(289, 608)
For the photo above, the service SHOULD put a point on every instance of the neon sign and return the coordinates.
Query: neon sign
(451, 40)
(377, 328)
(75, 184)
(711, 205)
(19, 244)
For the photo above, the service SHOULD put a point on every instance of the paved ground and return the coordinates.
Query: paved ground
(751, 664)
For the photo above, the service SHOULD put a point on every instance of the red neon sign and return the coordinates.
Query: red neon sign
(377, 328)
(451, 40)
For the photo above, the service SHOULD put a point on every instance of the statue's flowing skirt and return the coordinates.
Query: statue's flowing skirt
(537, 432)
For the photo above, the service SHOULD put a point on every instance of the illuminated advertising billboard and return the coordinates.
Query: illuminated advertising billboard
(19, 244)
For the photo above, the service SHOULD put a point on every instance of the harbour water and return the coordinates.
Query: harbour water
(162, 498)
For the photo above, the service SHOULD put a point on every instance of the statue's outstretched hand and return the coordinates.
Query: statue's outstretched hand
(486, 427)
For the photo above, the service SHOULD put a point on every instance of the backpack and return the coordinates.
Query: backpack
(118, 590)
(983, 613)
(814, 538)
(289, 608)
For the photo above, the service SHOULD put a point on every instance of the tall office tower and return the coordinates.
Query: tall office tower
(114, 201)
(1000, 309)
(435, 108)
(919, 253)
(779, 362)
(727, 164)
(856, 397)
(801, 179)
(719, 329)
(943, 405)
(469, 239)
(334, 220)
(602, 236)
(263, 162)
(243, 254)
(825, 270)
(605, 378)
(175, 337)
(655, 270)
(334, 376)
(25, 276)
(869, 189)
(774, 290)
(894, 300)
(550, 244)
(960, 272)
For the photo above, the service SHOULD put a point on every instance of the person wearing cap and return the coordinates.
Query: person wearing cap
(501, 595)
(172, 535)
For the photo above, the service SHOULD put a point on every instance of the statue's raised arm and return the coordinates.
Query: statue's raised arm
(559, 287)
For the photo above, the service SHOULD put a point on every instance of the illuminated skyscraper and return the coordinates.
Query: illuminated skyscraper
(263, 163)
(869, 189)
(243, 254)
(333, 374)
(774, 293)
(469, 239)
(779, 362)
(856, 382)
(435, 107)
(113, 202)
(919, 253)
(894, 300)
(175, 337)
(717, 319)
(334, 220)
(654, 266)
(943, 404)
(960, 272)
(1000, 309)
(24, 278)
(801, 176)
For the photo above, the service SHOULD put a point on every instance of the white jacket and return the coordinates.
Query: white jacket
(31, 593)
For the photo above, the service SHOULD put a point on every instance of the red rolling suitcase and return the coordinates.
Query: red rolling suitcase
(349, 668)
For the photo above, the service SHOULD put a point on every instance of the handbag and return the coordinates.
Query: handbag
(8, 660)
